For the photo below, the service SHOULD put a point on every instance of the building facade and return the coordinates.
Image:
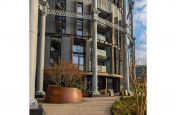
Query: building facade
(141, 70)
(70, 39)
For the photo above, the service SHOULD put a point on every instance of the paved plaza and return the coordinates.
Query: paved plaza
(89, 106)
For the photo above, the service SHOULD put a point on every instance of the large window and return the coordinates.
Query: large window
(79, 27)
(79, 22)
(79, 55)
(60, 4)
(55, 51)
(79, 7)
(101, 63)
(60, 20)
(90, 59)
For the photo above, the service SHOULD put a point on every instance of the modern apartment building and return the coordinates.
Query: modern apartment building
(141, 70)
(70, 39)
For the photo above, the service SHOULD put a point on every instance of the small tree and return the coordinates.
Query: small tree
(136, 103)
(65, 74)
(139, 87)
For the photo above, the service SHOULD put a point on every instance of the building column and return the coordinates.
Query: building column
(94, 65)
(40, 67)
(113, 42)
(33, 50)
(133, 44)
(106, 85)
(87, 55)
(125, 49)
(134, 58)
(85, 84)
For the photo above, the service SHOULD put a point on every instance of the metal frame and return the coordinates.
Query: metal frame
(69, 14)
(87, 17)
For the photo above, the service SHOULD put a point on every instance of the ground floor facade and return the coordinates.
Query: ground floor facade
(78, 50)
(106, 85)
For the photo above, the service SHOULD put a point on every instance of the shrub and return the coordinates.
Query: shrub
(136, 104)
(65, 74)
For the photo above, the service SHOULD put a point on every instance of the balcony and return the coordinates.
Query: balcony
(104, 5)
(81, 67)
(101, 68)
(102, 28)
(101, 53)
(102, 40)
(101, 37)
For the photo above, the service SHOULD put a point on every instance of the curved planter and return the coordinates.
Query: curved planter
(63, 95)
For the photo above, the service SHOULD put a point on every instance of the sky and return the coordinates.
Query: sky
(140, 30)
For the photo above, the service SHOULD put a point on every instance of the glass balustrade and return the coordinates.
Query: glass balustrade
(101, 37)
(101, 53)
(101, 68)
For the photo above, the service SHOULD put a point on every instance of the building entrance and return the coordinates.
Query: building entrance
(104, 84)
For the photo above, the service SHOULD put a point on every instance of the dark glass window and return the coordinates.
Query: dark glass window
(55, 51)
(101, 47)
(60, 20)
(80, 7)
(55, 44)
(60, 4)
(79, 56)
(79, 22)
(110, 85)
(102, 63)
(79, 27)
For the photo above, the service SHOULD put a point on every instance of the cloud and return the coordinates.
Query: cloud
(140, 19)
(140, 13)
(140, 22)
(142, 51)
(140, 3)
(141, 47)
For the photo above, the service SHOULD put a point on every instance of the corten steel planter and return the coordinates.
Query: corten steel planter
(63, 95)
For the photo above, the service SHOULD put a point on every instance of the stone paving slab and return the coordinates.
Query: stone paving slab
(89, 106)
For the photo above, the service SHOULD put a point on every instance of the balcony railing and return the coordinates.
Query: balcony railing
(101, 37)
(101, 53)
(101, 68)
(104, 5)
(81, 67)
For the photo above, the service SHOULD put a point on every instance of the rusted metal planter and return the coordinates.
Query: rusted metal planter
(63, 95)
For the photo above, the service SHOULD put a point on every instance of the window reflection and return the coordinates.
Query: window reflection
(79, 27)
(79, 22)
(60, 21)
(78, 56)
(55, 51)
